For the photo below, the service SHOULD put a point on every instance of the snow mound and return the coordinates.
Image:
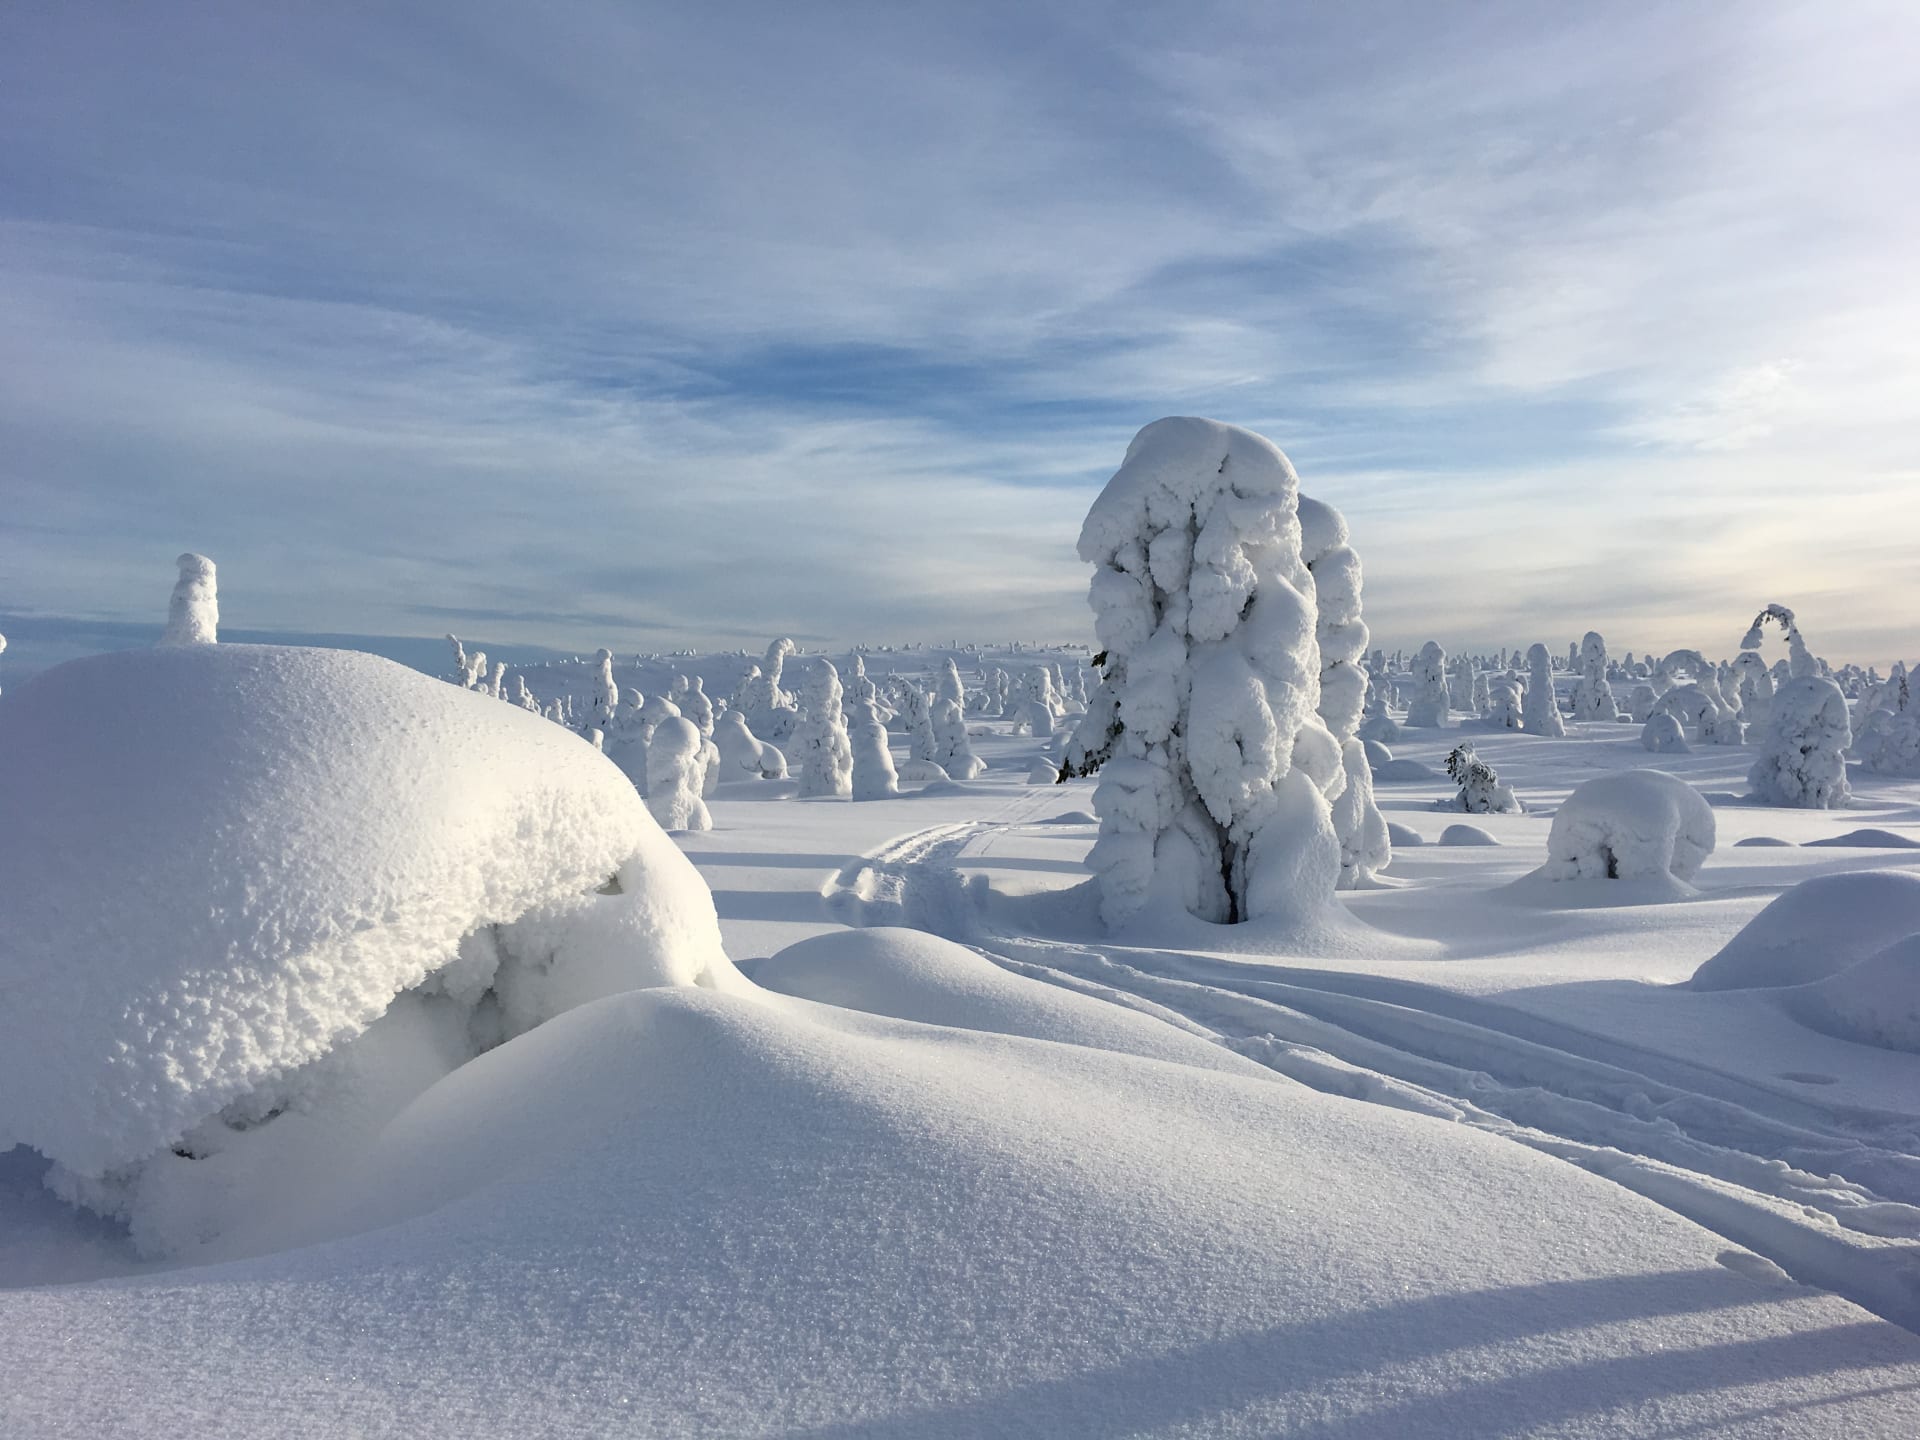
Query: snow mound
(1404, 834)
(1404, 772)
(1869, 839)
(1875, 1002)
(222, 861)
(1466, 835)
(1818, 928)
(1631, 825)
(676, 1212)
(911, 975)
(1769, 841)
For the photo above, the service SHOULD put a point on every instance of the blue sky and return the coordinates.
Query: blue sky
(653, 326)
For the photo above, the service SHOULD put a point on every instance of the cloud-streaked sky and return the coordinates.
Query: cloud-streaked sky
(648, 326)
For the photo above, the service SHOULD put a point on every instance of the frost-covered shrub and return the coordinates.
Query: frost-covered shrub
(1540, 712)
(1341, 634)
(1593, 696)
(1481, 792)
(1633, 825)
(874, 777)
(256, 901)
(743, 756)
(820, 744)
(193, 612)
(1215, 767)
(1428, 708)
(1663, 736)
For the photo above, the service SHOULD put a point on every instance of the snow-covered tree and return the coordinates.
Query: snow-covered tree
(874, 777)
(743, 756)
(1803, 757)
(1428, 709)
(1593, 696)
(1214, 772)
(698, 707)
(193, 613)
(1664, 735)
(522, 696)
(820, 743)
(606, 694)
(1481, 792)
(1460, 684)
(674, 775)
(1504, 704)
(1376, 722)
(953, 750)
(1540, 714)
(1341, 634)
(769, 709)
(1889, 743)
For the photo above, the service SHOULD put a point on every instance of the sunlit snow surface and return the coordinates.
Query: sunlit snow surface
(1477, 1164)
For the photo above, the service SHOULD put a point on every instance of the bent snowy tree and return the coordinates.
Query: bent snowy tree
(1215, 769)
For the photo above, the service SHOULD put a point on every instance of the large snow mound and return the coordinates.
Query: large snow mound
(1818, 928)
(221, 861)
(912, 975)
(1631, 825)
(675, 1212)
(1876, 1002)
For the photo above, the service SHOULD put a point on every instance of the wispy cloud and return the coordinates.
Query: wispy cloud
(650, 325)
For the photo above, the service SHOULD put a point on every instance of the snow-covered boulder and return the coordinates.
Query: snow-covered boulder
(1818, 928)
(1631, 825)
(1214, 780)
(225, 862)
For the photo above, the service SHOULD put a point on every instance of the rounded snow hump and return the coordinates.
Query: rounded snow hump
(221, 861)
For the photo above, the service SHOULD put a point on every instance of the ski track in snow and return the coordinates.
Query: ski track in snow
(1828, 1194)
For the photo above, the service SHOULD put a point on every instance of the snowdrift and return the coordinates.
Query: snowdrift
(689, 1213)
(1632, 825)
(222, 863)
(1818, 928)
(1876, 1002)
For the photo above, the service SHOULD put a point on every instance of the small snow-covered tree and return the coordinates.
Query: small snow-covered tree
(698, 707)
(769, 709)
(674, 775)
(606, 694)
(1214, 770)
(1663, 734)
(953, 750)
(1377, 722)
(1890, 740)
(1428, 709)
(743, 756)
(1504, 705)
(820, 743)
(461, 674)
(1802, 760)
(1481, 792)
(522, 696)
(193, 613)
(1540, 714)
(1593, 696)
(874, 777)
(1460, 684)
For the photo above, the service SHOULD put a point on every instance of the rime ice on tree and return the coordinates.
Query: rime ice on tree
(193, 614)
(1215, 768)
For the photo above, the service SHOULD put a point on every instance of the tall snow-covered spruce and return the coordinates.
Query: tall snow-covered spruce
(1215, 769)
(193, 614)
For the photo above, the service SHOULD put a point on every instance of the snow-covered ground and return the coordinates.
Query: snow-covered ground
(959, 1162)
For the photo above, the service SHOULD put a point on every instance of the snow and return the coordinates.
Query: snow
(1633, 825)
(1818, 928)
(193, 613)
(1876, 1001)
(1803, 760)
(225, 860)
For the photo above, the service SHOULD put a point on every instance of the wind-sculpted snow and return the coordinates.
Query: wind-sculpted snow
(1818, 928)
(223, 861)
(1635, 825)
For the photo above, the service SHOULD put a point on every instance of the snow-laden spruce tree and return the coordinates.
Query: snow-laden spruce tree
(674, 776)
(769, 709)
(1889, 743)
(1540, 714)
(1803, 759)
(1460, 684)
(606, 694)
(1428, 708)
(193, 613)
(953, 751)
(1504, 703)
(1481, 789)
(1377, 723)
(1341, 634)
(1213, 764)
(874, 777)
(820, 745)
(1593, 696)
